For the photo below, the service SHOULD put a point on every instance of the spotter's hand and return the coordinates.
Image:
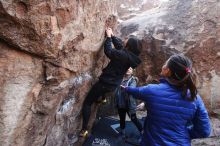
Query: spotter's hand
(123, 87)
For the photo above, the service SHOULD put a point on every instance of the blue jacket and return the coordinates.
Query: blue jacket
(171, 120)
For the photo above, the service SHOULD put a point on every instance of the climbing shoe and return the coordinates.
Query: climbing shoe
(102, 101)
(83, 133)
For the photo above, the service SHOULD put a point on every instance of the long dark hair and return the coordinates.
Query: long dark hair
(134, 45)
(181, 75)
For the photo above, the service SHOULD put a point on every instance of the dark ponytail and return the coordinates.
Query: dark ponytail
(182, 76)
(189, 84)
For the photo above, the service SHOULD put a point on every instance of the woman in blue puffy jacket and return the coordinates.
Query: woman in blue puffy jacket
(176, 113)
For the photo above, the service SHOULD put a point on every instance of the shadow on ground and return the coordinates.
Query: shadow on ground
(105, 132)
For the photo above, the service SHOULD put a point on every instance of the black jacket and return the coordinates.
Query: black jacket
(120, 60)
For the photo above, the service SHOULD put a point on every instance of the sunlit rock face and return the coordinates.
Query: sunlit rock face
(127, 9)
(48, 52)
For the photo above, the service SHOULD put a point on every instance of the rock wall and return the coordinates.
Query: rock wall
(48, 52)
(127, 9)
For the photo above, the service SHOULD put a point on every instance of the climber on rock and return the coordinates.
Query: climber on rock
(121, 58)
(175, 112)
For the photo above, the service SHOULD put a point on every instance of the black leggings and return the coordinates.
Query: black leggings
(98, 90)
(122, 113)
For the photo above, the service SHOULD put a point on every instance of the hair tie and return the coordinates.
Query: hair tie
(188, 70)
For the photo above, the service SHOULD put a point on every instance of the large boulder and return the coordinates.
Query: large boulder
(127, 9)
(48, 51)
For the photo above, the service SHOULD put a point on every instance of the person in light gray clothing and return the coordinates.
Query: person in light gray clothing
(125, 103)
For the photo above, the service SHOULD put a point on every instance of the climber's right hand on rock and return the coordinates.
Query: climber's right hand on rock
(108, 32)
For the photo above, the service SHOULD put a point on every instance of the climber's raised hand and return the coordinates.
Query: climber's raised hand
(109, 32)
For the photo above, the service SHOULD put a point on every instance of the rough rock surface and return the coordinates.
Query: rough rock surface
(127, 9)
(48, 50)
